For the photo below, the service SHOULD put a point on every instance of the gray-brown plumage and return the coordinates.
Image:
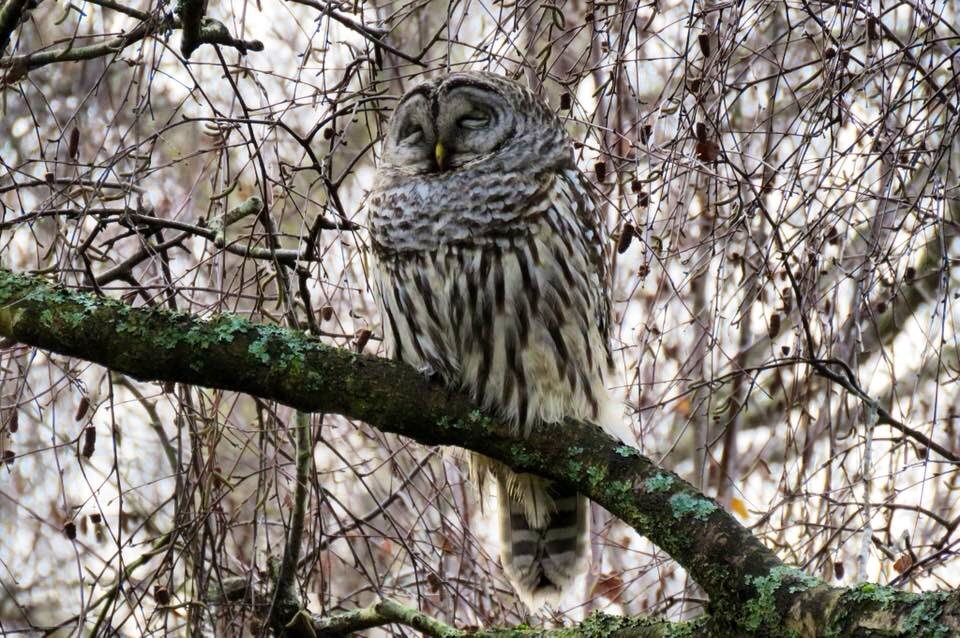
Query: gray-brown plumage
(490, 267)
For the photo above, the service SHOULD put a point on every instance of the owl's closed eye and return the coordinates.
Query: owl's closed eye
(438, 132)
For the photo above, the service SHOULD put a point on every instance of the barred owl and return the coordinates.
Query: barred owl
(490, 270)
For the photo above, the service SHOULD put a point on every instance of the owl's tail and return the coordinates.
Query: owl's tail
(544, 537)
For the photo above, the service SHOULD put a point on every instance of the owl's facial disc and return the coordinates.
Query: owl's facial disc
(472, 122)
(411, 138)
(435, 129)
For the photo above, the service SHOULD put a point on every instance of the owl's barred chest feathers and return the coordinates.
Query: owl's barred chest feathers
(509, 305)
(468, 206)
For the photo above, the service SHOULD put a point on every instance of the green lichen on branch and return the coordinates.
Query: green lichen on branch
(658, 483)
(898, 613)
(597, 625)
(762, 611)
(698, 507)
(923, 620)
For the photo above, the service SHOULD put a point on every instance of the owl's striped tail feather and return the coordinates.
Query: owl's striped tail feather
(544, 537)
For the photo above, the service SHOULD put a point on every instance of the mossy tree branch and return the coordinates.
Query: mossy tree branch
(388, 612)
(749, 587)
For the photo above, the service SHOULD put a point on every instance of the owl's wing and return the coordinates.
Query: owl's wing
(597, 243)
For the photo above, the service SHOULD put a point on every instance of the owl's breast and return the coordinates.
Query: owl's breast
(460, 208)
(512, 320)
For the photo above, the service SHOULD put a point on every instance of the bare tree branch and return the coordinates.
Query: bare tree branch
(211, 32)
(11, 13)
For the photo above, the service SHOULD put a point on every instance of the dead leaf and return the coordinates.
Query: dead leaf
(903, 563)
(739, 507)
(609, 586)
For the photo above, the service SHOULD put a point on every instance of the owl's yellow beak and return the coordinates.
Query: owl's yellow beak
(440, 154)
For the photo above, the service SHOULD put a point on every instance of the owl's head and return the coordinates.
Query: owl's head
(461, 119)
